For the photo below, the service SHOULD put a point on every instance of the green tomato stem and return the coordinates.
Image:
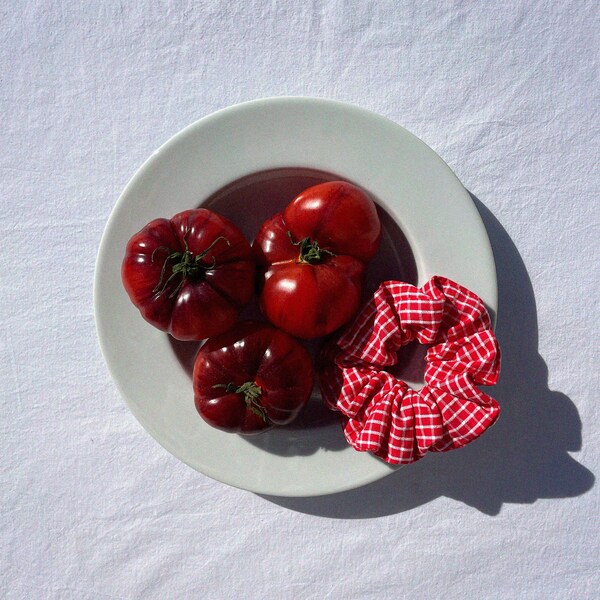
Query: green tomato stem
(188, 265)
(310, 251)
(252, 393)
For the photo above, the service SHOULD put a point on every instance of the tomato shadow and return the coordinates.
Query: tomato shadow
(316, 428)
(250, 200)
(523, 458)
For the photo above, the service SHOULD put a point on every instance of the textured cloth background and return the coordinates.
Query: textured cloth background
(506, 92)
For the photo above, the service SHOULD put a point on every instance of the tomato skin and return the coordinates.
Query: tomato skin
(203, 303)
(339, 215)
(258, 353)
(313, 299)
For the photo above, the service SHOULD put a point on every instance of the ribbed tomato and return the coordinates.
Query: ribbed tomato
(313, 258)
(251, 378)
(189, 275)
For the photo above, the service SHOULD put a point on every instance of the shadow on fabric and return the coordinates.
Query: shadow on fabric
(523, 458)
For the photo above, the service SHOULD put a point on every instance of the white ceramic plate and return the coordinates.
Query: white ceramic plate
(423, 199)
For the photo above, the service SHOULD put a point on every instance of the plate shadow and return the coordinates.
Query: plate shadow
(523, 458)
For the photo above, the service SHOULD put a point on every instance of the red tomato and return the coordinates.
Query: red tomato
(190, 275)
(251, 378)
(313, 257)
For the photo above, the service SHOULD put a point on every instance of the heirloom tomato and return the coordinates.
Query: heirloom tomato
(189, 275)
(251, 378)
(313, 258)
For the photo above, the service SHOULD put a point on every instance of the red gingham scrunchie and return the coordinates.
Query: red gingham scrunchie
(383, 414)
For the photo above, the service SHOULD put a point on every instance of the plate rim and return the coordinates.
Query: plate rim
(377, 473)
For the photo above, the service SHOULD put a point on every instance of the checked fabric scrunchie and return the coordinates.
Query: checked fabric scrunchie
(385, 416)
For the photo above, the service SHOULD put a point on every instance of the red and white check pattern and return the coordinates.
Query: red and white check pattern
(384, 415)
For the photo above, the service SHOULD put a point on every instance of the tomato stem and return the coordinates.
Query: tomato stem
(188, 265)
(252, 393)
(310, 252)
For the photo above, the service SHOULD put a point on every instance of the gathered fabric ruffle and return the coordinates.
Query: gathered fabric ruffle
(381, 413)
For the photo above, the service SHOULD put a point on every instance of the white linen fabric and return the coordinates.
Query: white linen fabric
(507, 93)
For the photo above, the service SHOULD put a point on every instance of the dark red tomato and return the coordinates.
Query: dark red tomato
(190, 275)
(251, 378)
(313, 257)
